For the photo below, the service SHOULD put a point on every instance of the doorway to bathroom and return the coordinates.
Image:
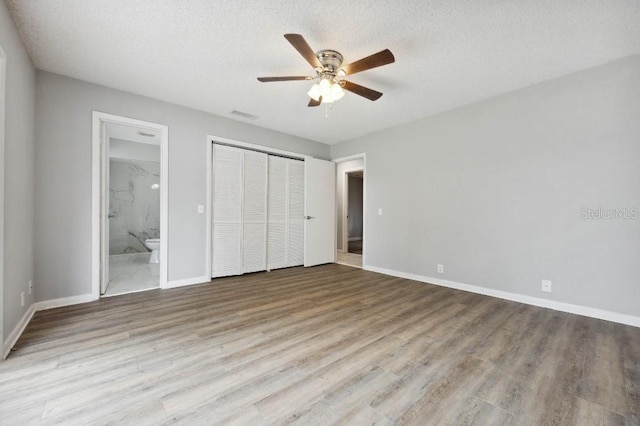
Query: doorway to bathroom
(131, 255)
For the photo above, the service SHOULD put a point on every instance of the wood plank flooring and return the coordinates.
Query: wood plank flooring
(326, 345)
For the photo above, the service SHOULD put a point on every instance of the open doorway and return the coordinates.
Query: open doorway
(354, 195)
(350, 202)
(130, 205)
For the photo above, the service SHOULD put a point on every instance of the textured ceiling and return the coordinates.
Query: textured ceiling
(206, 54)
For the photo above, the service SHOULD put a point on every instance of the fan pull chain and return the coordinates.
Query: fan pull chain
(327, 107)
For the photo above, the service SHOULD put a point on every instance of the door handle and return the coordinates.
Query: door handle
(308, 217)
(111, 215)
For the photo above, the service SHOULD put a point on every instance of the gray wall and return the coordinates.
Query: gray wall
(341, 169)
(63, 178)
(18, 173)
(494, 190)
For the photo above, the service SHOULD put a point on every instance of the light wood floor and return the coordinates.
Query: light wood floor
(331, 344)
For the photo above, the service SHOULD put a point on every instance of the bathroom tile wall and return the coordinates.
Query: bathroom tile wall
(134, 202)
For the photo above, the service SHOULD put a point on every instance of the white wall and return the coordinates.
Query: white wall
(63, 178)
(341, 169)
(18, 170)
(494, 191)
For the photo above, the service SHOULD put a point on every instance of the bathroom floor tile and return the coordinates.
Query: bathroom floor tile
(132, 272)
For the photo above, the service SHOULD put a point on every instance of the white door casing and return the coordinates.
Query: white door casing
(99, 212)
(3, 69)
(320, 212)
(105, 201)
(363, 157)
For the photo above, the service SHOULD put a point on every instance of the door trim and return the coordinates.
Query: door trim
(3, 78)
(362, 156)
(98, 216)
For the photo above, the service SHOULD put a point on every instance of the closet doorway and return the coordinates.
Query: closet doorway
(269, 209)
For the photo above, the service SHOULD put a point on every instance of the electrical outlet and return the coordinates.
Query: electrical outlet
(379, 211)
(22, 298)
(440, 268)
(30, 286)
(546, 286)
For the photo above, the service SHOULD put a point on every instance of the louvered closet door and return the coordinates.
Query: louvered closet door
(277, 213)
(254, 223)
(227, 211)
(296, 213)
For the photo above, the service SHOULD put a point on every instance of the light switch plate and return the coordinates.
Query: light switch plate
(200, 208)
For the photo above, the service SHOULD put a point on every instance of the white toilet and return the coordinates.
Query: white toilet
(154, 245)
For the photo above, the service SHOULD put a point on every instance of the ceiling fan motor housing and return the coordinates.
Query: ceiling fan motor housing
(331, 60)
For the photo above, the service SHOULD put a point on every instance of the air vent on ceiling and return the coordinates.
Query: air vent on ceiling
(244, 115)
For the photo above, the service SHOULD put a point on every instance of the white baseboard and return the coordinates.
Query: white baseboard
(40, 306)
(188, 281)
(354, 238)
(12, 339)
(515, 297)
(64, 301)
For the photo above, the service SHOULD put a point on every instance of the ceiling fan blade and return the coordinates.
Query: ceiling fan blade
(384, 57)
(314, 103)
(268, 79)
(301, 45)
(365, 92)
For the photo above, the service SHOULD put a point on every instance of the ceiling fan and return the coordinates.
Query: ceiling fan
(329, 72)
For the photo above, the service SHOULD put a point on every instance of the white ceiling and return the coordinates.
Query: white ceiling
(206, 54)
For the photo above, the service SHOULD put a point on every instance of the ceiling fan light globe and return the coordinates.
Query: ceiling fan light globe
(336, 92)
(314, 92)
(325, 88)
